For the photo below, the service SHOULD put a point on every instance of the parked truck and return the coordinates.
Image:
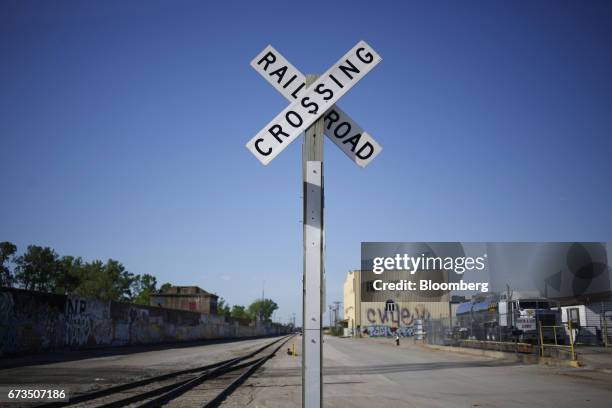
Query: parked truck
(497, 317)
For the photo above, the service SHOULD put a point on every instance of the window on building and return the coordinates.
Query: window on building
(573, 316)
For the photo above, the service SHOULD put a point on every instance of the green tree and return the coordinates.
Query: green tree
(240, 312)
(40, 268)
(146, 286)
(70, 275)
(223, 309)
(107, 281)
(262, 309)
(7, 250)
(165, 287)
(37, 269)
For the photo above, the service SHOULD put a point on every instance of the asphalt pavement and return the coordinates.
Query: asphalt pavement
(369, 372)
(375, 373)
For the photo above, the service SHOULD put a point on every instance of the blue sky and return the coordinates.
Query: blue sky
(123, 127)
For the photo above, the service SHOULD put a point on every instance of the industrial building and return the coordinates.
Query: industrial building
(192, 298)
(382, 316)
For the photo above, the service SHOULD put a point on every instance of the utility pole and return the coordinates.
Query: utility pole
(336, 310)
(314, 246)
(263, 293)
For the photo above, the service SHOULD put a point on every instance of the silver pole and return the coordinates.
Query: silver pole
(313, 279)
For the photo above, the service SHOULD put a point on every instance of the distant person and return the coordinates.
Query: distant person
(396, 339)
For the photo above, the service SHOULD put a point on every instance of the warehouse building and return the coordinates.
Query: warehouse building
(383, 314)
(192, 298)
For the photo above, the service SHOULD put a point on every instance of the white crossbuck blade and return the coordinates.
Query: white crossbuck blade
(311, 103)
(339, 127)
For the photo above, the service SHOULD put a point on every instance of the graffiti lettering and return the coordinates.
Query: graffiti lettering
(75, 306)
(371, 315)
(87, 322)
(400, 316)
(386, 331)
(383, 316)
(405, 331)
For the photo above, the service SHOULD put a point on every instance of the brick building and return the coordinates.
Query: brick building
(192, 298)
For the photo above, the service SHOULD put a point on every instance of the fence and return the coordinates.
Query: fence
(558, 337)
(607, 328)
(547, 340)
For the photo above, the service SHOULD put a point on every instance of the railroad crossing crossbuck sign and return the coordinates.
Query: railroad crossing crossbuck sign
(309, 104)
(312, 110)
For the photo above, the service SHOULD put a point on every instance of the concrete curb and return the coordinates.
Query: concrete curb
(503, 355)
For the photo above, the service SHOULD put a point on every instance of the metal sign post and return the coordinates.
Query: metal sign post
(314, 247)
(312, 111)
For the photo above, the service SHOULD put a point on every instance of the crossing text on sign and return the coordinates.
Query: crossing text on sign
(313, 102)
(358, 145)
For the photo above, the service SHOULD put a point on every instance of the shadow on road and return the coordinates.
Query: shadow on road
(74, 355)
(389, 368)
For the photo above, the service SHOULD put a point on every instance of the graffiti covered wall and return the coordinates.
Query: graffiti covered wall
(33, 322)
(379, 321)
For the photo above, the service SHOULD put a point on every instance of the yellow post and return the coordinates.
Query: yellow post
(293, 349)
(569, 321)
(541, 339)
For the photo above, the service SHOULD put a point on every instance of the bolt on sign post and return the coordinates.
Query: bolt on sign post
(312, 110)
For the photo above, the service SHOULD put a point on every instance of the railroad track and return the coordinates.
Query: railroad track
(204, 386)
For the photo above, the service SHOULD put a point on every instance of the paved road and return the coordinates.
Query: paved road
(375, 373)
(84, 371)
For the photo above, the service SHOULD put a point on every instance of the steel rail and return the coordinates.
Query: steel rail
(217, 372)
(135, 384)
(242, 378)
